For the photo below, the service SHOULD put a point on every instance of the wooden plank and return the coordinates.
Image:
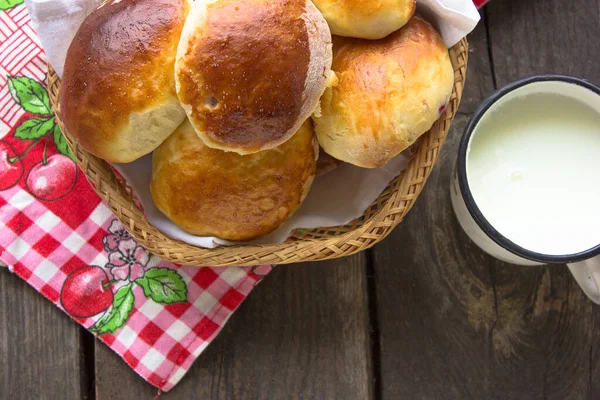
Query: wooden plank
(550, 36)
(40, 353)
(454, 322)
(429, 278)
(303, 333)
(479, 82)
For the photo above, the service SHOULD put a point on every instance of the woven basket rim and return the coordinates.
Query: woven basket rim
(378, 220)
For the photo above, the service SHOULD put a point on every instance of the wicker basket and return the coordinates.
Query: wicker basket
(317, 244)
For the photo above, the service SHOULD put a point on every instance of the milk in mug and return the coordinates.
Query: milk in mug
(533, 168)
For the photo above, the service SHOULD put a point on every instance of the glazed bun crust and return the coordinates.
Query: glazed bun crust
(118, 98)
(389, 92)
(250, 72)
(366, 19)
(210, 192)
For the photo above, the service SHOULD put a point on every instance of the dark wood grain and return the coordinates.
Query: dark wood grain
(302, 334)
(40, 354)
(544, 36)
(479, 82)
(454, 323)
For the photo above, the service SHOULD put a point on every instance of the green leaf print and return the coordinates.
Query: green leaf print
(6, 5)
(163, 285)
(30, 95)
(61, 143)
(34, 128)
(119, 314)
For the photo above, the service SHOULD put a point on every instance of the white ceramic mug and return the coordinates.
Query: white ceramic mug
(584, 265)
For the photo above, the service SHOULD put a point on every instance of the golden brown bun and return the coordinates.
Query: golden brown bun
(366, 19)
(210, 192)
(389, 92)
(326, 163)
(250, 72)
(117, 96)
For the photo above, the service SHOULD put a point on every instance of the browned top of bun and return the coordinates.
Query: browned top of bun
(389, 92)
(366, 19)
(120, 61)
(211, 192)
(242, 71)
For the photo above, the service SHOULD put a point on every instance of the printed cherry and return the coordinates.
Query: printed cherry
(11, 166)
(52, 179)
(86, 292)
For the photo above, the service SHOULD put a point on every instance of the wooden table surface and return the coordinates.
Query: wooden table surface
(423, 315)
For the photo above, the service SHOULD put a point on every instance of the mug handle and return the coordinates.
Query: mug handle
(587, 275)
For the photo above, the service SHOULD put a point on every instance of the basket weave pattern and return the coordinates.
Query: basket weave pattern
(379, 219)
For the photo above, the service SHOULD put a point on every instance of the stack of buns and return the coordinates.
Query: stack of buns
(243, 102)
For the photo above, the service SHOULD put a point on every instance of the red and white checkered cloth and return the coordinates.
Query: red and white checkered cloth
(56, 234)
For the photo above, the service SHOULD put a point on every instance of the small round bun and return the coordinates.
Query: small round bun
(117, 96)
(389, 92)
(249, 73)
(366, 19)
(210, 192)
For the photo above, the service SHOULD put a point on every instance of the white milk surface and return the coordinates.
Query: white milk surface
(534, 171)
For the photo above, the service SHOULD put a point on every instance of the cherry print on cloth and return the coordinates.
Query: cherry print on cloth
(87, 291)
(53, 178)
(58, 236)
(11, 166)
(54, 172)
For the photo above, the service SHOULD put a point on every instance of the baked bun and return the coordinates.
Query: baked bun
(210, 192)
(389, 92)
(117, 96)
(250, 72)
(366, 19)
